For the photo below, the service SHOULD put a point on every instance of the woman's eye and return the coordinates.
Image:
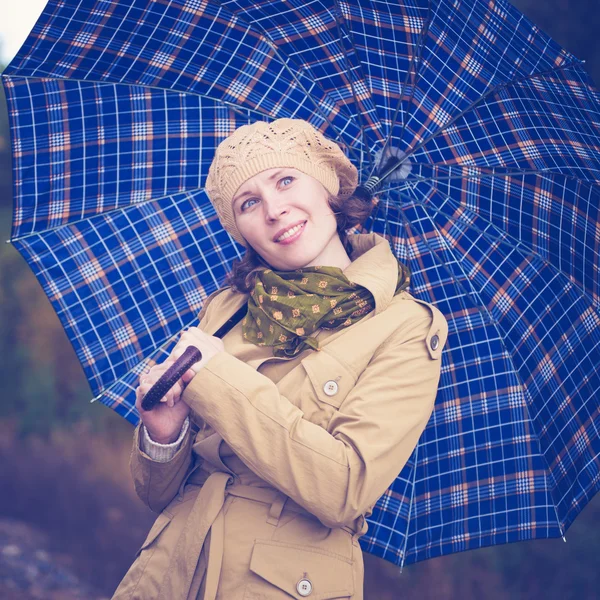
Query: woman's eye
(245, 204)
(287, 180)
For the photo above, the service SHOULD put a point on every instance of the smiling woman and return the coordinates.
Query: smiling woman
(265, 459)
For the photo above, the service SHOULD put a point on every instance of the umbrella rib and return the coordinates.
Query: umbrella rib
(410, 507)
(505, 172)
(386, 223)
(339, 16)
(408, 228)
(490, 92)
(517, 243)
(234, 107)
(475, 176)
(414, 59)
(102, 214)
(493, 321)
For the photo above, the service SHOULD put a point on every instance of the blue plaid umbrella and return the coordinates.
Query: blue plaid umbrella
(116, 109)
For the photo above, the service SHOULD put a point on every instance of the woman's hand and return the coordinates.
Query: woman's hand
(209, 346)
(164, 422)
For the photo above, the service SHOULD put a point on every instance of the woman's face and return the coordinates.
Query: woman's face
(271, 203)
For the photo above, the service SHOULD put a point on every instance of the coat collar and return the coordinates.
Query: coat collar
(373, 266)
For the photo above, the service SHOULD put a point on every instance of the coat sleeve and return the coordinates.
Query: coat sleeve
(336, 474)
(156, 482)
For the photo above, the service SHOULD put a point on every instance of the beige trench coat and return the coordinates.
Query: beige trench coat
(267, 496)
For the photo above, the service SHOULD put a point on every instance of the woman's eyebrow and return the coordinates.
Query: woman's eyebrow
(242, 195)
(249, 193)
(276, 174)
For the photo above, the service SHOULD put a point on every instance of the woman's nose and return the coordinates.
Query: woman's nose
(274, 207)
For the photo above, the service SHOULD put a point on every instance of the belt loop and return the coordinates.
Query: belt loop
(276, 509)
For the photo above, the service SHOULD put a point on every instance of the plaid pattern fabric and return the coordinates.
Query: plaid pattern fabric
(116, 109)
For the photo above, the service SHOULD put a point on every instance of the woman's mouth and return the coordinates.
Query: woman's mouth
(290, 236)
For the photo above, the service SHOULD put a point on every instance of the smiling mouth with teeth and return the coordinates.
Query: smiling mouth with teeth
(290, 232)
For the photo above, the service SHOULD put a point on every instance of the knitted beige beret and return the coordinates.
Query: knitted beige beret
(251, 149)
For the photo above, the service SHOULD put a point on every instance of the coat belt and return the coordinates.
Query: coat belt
(207, 516)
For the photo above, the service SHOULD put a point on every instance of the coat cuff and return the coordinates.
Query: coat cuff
(142, 457)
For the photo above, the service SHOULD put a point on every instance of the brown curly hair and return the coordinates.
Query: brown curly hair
(349, 212)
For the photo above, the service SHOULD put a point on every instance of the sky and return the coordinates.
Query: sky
(17, 17)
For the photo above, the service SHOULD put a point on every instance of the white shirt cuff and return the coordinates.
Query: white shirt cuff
(162, 452)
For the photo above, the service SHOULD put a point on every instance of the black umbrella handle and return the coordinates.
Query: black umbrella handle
(191, 356)
(170, 377)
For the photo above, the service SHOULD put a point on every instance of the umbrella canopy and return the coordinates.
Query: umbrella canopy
(116, 109)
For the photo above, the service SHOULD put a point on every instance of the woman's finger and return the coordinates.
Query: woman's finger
(147, 381)
(188, 376)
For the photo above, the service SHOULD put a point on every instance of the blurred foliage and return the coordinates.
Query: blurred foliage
(42, 384)
(74, 454)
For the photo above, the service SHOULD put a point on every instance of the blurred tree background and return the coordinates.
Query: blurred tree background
(65, 461)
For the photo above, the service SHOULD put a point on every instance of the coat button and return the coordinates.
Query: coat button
(435, 342)
(330, 388)
(304, 587)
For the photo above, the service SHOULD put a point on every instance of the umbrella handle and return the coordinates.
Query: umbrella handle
(170, 377)
(184, 362)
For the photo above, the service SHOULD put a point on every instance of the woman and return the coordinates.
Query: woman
(264, 461)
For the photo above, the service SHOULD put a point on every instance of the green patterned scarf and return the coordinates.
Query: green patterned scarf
(286, 307)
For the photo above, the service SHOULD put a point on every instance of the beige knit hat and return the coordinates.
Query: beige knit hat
(251, 149)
